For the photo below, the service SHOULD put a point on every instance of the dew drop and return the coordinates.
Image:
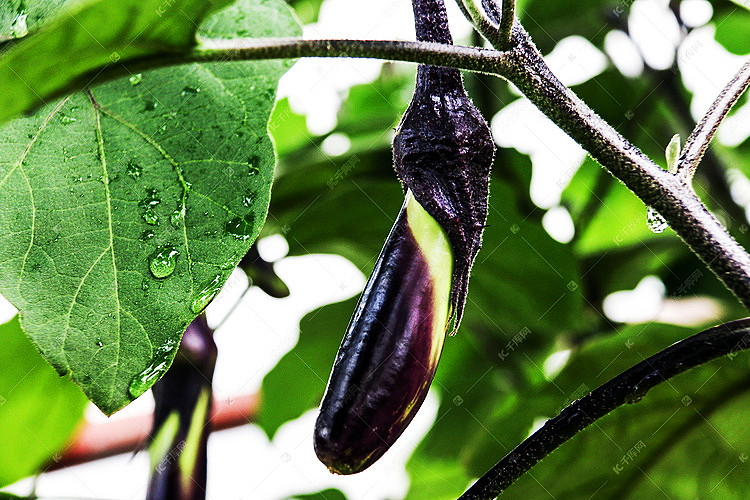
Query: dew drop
(248, 200)
(190, 90)
(656, 223)
(133, 169)
(150, 106)
(254, 164)
(67, 119)
(632, 399)
(159, 365)
(150, 216)
(135, 79)
(99, 343)
(177, 217)
(240, 227)
(163, 128)
(149, 204)
(145, 285)
(19, 28)
(163, 261)
(206, 295)
(147, 235)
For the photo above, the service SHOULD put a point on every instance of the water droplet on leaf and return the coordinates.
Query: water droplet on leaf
(163, 261)
(19, 28)
(133, 169)
(159, 365)
(150, 106)
(248, 200)
(240, 227)
(150, 216)
(655, 221)
(149, 204)
(136, 79)
(177, 217)
(190, 90)
(254, 163)
(67, 119)
(206, 295)
(99, 343)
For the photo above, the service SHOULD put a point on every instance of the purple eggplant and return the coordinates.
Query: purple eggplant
(442, 154)
(179, 434)
(392, 346)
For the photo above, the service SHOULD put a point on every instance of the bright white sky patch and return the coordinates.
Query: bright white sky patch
(655, 31)
(558, 224)
(639, 305)
(555, 157)
(575, 60)
(695, 13)
(623, 53)
(706, 67)
(336, 144)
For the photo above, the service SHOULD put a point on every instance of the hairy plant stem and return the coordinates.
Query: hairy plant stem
(667, 193)
(243, 49)
(697, 144)
(628, 387)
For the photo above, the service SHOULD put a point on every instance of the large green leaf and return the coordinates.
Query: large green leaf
(77, 42)
(123, 209)
(38, 409)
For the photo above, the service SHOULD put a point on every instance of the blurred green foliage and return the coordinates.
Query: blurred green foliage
(531, 296)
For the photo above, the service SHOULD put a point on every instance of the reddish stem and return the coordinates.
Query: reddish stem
(95, 441)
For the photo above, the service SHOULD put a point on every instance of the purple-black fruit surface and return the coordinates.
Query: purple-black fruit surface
(442, 154)
(387, 359)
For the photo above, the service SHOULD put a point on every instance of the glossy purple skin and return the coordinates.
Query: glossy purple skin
(383, 369)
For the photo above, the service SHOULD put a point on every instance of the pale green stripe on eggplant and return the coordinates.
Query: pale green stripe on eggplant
(162, 443)
(436, 248)
(189, 454)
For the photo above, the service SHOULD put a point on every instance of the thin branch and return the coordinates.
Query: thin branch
(628, 387)
(699, 139)
(506, 22)
(242, 49)
(668, 194)
(483, 23)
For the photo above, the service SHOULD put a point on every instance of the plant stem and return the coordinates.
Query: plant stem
(506, 23)
(244, 49)
(699, 139)
(670, 195)
(628, 387)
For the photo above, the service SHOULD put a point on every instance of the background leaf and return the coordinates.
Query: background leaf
(297, 382)
(160, 184)
(38, 410)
